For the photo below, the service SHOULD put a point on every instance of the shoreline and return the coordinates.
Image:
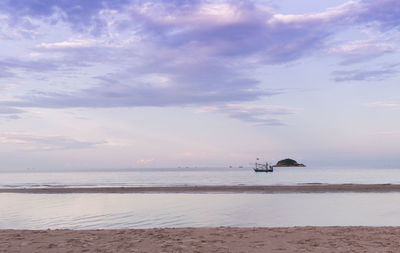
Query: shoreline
(309, 188)
(217, 239)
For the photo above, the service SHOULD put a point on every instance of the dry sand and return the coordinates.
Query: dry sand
(215, 189)
(296, 239)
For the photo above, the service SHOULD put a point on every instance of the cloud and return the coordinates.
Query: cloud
(366, 75)
(258, 115)
(10, 31)
(72, 44)
(10, 113)
(144, 161)
(140, 95)
(11, 64)
(12, 117)
(383, 14)
(387, 134)
(361, 50)
(231, 29)
(380, 104)
(9, 110)
(172, 53)
(197, 54)
(45, 143)
(5, 73)
(82, 15)
(162, 80)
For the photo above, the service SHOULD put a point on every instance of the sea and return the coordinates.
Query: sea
(195, 209)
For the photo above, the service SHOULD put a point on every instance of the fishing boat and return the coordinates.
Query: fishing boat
(263, 167)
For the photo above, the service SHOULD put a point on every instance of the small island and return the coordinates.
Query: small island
(288, 163)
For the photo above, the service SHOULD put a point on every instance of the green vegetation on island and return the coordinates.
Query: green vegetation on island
(288, 163)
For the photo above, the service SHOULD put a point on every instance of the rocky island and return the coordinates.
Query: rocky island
(288, 163)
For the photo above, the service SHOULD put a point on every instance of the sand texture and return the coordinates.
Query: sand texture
(297, 239)
(215, 189)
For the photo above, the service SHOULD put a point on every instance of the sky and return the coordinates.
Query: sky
(139, 84)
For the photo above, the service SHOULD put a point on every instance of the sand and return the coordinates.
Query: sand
(296, 239)
(308, 188)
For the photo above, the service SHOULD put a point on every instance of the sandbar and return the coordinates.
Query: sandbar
(307, 188)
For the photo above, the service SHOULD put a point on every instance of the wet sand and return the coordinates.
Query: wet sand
(312, 188)
(296, 239)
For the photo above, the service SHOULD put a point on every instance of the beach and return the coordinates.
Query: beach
(221, 239)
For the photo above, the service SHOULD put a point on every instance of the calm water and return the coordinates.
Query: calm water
(200, 176)
(92, 211)
(89, 211)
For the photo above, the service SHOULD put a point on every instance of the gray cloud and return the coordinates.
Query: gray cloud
(9, 65)
(246, 31)
(41, 65)
(166, 79)
(140, 95)
(384, 14)
(10, 110)
(182, 52)
(4, 73)
(30, 142)
(258, 115)
(13, 117)
(82, 15)
(366, 75)
(10, 113)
